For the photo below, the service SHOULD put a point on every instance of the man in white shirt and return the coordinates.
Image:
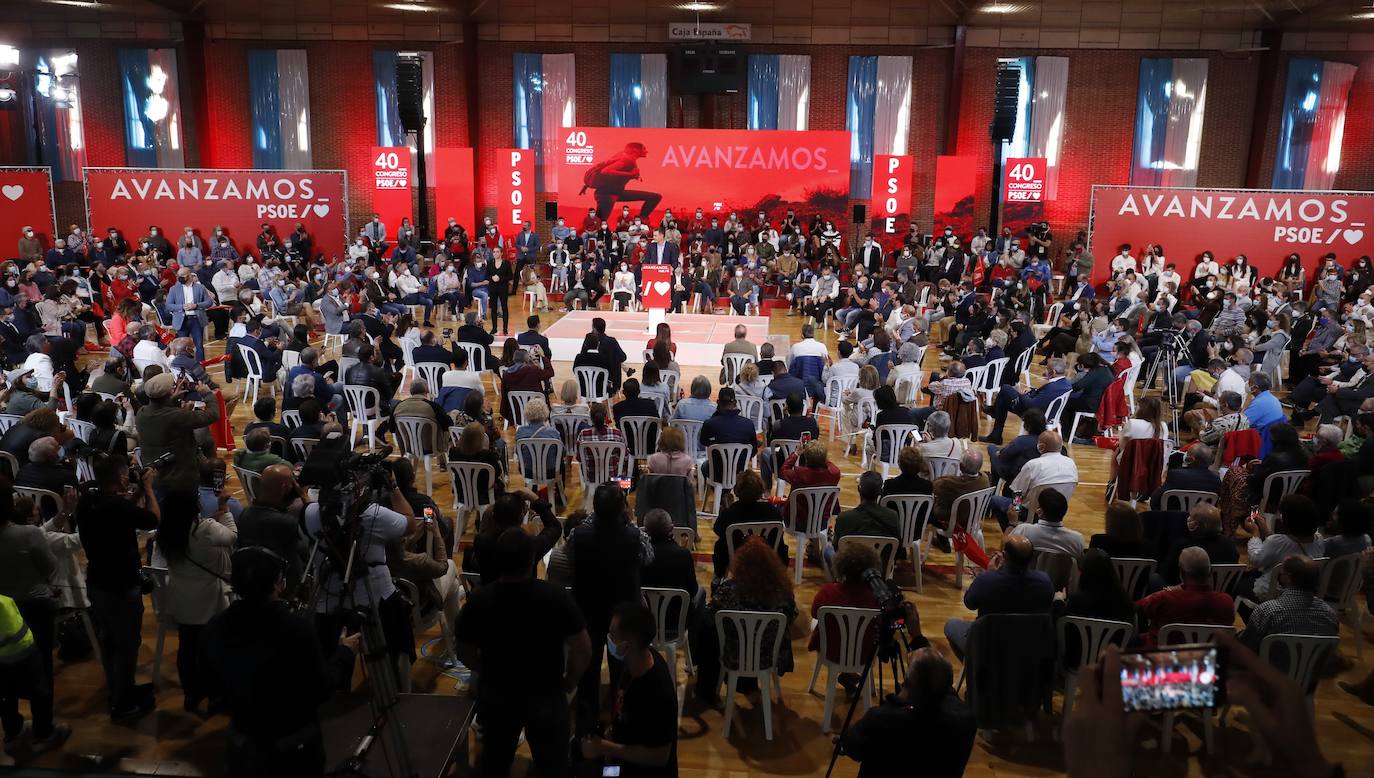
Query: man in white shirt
(1123, 261)
(148, 351)
(38, 360)
(1051, 467)
(226, 284)
(1049, 533)
(1235, 377)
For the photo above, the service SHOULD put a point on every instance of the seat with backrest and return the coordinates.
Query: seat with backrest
(733, 364)
(758, 636)
(670, 608)
(1081, 643)
(847, 640)
(1009, 665)
(477, 355)
(726, 462)
(913, 514)
(752, 408)
(1134, 575)
(1184, 499)
(1340, 582)
(1276, 487)
(808, 513)
(537, 460)
(1062, 568)
(771, 532)
(419, 439)
(888, 442)
(248, 479)
(303, 447)
(1225, 578)
(992, 381)
(600, 461)
(942, 466)
(641, 436)
(1181, 634)
(255, 377)
(833, 401)
(593, 382)
(517, 400)
(967, 511)
(884, 546)
(474, 489)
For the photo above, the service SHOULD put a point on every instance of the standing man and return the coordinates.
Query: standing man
(188, 301)
(515, 634)
(526, 247)
(661, 252)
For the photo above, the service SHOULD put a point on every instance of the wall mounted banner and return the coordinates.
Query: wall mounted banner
(241, 201)
(25, 201)
(453, 192)
(515, 190)
(1023, 180)
(890, 207)
(719, 171)
(1264, 225)
(954, 183)
(656, 286)
(391, 197)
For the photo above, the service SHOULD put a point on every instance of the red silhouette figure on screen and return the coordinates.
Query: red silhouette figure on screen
(610, 177)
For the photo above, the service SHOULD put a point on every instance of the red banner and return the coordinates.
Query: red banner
(656, 286)
(391, 198)
(891, 200)
(25, 201)
(241, 201)
(1266, 226)
(514, 190)
(954, 181)
(719, 171)
(1023, 180)
(453, 194)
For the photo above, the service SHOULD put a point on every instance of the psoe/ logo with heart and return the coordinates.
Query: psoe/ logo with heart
(1352, 236)
(12, 191)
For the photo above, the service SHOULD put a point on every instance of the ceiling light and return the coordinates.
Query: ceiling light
(415, 7)
(76, 3)
(1002, 8)
(9, 55)
(1363, 15)
(699, 7)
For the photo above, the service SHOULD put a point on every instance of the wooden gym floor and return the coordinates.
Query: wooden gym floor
(171, 742)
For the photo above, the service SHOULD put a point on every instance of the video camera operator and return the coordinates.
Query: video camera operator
(170, 424)
(376, 526)
(924, 719)
(273, 673)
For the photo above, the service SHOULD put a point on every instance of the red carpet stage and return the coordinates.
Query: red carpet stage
(700, 337)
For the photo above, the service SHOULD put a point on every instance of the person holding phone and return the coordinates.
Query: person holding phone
(642, 738)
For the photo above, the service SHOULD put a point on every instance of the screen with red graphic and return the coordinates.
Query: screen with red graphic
(744, 171)
(25, 201)
(1172, 678)
(241, 201)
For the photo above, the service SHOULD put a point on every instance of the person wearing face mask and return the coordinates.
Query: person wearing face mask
(478, 281)
(116, 243)
(380, 295)
(559, 262)
(359, 252)
(526, 247)
(561, 231)
(189, 255)
(375, 232)
(1330, 290)
(158, 242)
(30, 249)
(411, 292)
(1123, 261)
(188, 301)
(404, 253)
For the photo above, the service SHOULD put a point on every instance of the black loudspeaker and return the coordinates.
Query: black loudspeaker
(860, 212)
(551, 211)
(410, 99)
(1005, 101)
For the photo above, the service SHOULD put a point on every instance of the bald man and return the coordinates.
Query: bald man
(1297, 609)
(273, 520)
(1009, 586)
(1051, 467)
(1192, 603)
(42, 471)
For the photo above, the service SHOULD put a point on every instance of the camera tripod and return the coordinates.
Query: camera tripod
(893, 646)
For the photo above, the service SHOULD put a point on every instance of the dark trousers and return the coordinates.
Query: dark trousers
(118, 618)
(500, 303)
(543, 717)
(589, 687)
(192, 328)
(31, 679)
(1009, 400)
(248, 759)
(194, 686)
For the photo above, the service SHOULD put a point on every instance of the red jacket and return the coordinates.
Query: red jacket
(529, 378)
(801, 476)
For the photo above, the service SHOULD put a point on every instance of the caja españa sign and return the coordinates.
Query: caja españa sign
(1264, 225)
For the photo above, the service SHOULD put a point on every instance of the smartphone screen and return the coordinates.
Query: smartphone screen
(1172, 678)
(623, 483)
(429, 514)
(610, 771)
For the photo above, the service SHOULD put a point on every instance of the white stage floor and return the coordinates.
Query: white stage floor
(700, 337)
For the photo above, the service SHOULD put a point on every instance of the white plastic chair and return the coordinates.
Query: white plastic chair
(1185, 499)
(248, 479)
(834, 394)
(992, 381)
(685, 537)
(733, 458)
(593, 382)
(845, 653)
(942, 466)
(290, 359)
(466, 479)
(888, 442)
(365, 410)
(977, 378)
(913, 515)
(256, 377)
(1021, 368)
(346, 364)
(691, 430)
(1179, 634)
(1094, 635)
(432, 373)
(1132, 374)
(292, 419)
(969, 509)
(82, 429)
(1300, 657)
(758, 659)
(518, 400)
(304, 446)
(39, 497)
(1278, 486)
(1134, 575)
(808, 513)
(477, 355)
(733, 364)
(1339, 584)
(1225, 578)
(1053, 412)
(159, 594)
(779, 449)
(737, 534)
(671, 632)
(641, 436)
(532, 457)
(8, 420)
(600, 461)
(569, 424)
(416, 434)
(1062, 568)
(884, 546)
(752, 408)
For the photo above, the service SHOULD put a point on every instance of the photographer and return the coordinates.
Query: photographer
(168, 425)
(372, 527)
(925, 717)
(273, 519)
(108, 519)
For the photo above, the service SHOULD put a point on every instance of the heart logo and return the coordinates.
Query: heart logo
(661, 287)
(1353, 236)
(321, 209)
(12, 191)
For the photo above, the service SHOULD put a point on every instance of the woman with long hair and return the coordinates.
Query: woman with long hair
(1125, 536)
(757, 581)
(748, 381)
(750, 505)
(197, 552)
(662, 334)
(663, 357)
(1100, 594)
(1291, 275)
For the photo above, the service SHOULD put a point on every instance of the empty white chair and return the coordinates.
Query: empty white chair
(846, 640)
(737, 534)
(593, 382)
(641, 436)
(757, 637)
(1341, 581)
(885, 547)
(808, 512)
(1179, 634)
(601, 461)
(670, 607)
(248, 479)
(256, 377)
(365, 410)
(419, 439)
(474, 489)
(1185, 499)
(1094, 635)
(913, 513)
(725, 461)
(157, 598)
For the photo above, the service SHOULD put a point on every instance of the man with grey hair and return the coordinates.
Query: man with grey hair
(740, 345)
(1229, 420)
(1200, 352)
(43, 470)
(420, 404)
(949, 488)
(40, 360)
(937, 441)
(1192, 603)
(184, 362)
(357, 338)
(1009, 400)
(1194, 475)
(329, 394)
(256, 454)
(672, 566)
(697, 406)
(522, 376)
(939, 388)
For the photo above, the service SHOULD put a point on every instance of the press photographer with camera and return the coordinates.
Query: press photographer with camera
(169, 424)
(108, 519)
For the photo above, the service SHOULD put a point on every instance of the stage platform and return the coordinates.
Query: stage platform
(700, 337)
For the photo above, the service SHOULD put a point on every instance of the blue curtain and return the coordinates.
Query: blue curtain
(625, 90)
(266, 108)
(860, 107)
(529, 109)
(1151, 120)
(763, 91)
(389, 132)
(1301, 98)
(140, 136)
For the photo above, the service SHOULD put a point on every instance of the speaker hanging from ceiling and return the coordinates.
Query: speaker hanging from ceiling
(1005, 101)
(410, 98)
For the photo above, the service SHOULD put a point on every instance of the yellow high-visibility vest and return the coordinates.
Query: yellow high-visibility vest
(15, 639)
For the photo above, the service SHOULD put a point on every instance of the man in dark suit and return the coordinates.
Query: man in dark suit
(380, 326)
(369, 372)
(610, 350)
(673, 566)
(430, 351)
(660, 252)
(871, 254)
(472, 332)
(1194, 475)
(265, 416)
(1093, 379)
(526, 248)
(1346, 401)
(13, 337)
(1005, 462)
(952, 268)
(633, 404)
(1009, 400)
(784, 383)
(42, 471)
(796, 422)
(532, 337)
(522, 377)
(1204, 531)
(268, 353)
(1022, 340)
